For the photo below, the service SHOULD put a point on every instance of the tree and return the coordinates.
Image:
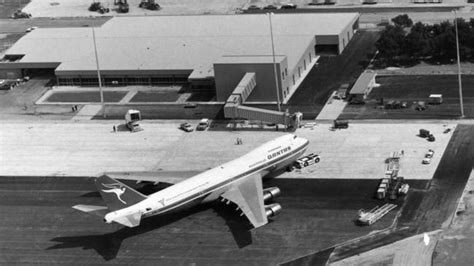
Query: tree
(417, 42)
(402, 21)
(390, 42)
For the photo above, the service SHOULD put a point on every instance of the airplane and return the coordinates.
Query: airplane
(238, 181)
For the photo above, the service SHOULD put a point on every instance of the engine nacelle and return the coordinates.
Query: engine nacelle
(270, 193)
(272, 209)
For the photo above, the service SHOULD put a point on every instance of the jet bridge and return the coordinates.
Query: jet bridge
(234, 108)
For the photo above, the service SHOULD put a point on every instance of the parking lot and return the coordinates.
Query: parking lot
(414, 88)
(331, 72)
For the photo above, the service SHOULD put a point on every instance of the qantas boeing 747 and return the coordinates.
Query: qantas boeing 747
(238, 181)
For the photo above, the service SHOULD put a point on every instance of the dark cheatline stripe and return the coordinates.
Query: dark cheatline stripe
(209, 190)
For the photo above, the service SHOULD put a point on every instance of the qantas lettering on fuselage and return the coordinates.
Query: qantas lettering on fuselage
(278, 153)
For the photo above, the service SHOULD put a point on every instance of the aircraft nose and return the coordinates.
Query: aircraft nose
(301, 141)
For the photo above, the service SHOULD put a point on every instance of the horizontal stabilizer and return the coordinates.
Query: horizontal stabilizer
(96, 210)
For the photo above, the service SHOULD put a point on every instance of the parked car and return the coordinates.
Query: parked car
(31, 29)
(253, 7)
(288, 6)
(431, 138)
(426, 161)
(429, 154)
(270, 7)
(203, 124)
(186, 127)
(420, 106)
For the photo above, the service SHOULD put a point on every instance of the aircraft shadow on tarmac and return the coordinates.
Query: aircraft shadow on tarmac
(108, 245)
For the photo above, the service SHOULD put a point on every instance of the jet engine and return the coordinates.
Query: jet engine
(270, 194)
(272, 209)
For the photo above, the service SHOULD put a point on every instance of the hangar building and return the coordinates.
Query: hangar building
(209, 52)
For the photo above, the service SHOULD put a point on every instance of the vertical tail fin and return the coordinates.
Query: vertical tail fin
(116, 194)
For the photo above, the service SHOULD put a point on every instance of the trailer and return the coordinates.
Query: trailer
(436, 99)
(372, 216)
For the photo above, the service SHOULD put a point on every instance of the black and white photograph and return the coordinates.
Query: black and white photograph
(236, 132)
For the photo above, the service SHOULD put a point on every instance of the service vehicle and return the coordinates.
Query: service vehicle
(420, 106)
(307, 160)
(341, 124)
(431, 138)
(186, 127)
(424, 133)
(132, 117)
(270, 7)
(436, 99)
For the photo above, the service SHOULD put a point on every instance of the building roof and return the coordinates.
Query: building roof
(362, 83)
(188, 43)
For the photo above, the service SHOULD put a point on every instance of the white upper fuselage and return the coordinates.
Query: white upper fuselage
(270, 156)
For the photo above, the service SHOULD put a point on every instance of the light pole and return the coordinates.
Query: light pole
(98, 74)
(459, 65)
(274, 64)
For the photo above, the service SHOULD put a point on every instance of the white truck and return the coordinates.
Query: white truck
(132, 117)
(307, 160)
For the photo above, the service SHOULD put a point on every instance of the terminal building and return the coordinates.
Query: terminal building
(208, 52)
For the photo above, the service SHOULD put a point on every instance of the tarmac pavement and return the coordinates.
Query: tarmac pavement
(77, 148)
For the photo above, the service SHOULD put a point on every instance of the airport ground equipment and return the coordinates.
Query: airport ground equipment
(132, 117)
(149, 4)
(342, 92)
(431, 138)
(420, 106)
(394, 188)
(424, 133)
(372, 216)
(97, 6)
(235, 108)
(341, 124)
(436, 99)
(122, 6)
(307, 160)
(382, 188)
(20, 14)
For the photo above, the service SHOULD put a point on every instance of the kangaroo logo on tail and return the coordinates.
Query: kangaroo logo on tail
(116, 188)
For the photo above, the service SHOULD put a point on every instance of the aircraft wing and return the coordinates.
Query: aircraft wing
(248, 196)
(170, 177)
